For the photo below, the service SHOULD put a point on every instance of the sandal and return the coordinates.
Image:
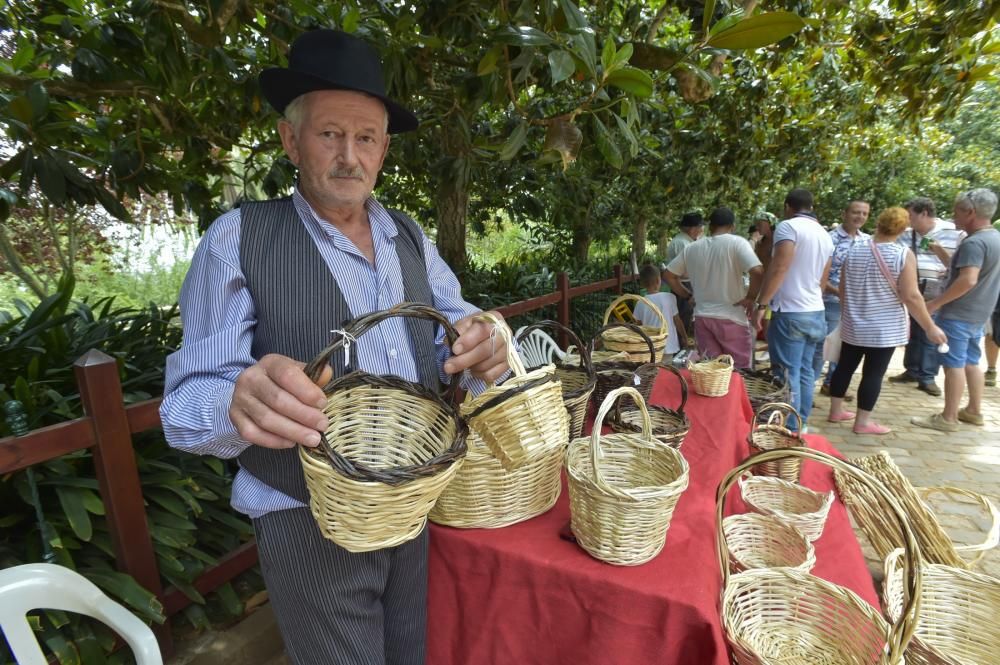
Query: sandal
(840, 417)
(872, 428)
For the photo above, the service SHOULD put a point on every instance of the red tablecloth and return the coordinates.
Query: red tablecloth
(524, 595)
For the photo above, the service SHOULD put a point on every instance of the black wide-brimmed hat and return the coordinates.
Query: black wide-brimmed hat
(332, 60)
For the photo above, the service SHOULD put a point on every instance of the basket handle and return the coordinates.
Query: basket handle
(585, 360)
(779, 409)
(501, 329)
(631, 326)
(595, 430)
(358, 326)
(680, 378)
(992, 535)
(636, 297)
(900, 631)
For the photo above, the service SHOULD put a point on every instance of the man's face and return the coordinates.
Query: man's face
(695, 231)
(339, 147)
(921, 222)
(964, 217)
(855, 216)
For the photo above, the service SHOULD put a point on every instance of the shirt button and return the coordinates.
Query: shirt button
(392, 353)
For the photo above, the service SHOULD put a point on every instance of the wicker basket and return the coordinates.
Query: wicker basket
(763, 541)
(764, 387)
(612, 374)
(623, 489)
(625, 339)
(959, 620)
(484, 495)
(711, 377)
(793, 504)
(390, 448)
(872, 516)
(669, 426)
(577, 380)
(524, 416)
(781, 616)
(773, 434)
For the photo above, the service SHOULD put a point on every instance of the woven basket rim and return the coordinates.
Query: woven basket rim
(662, 330)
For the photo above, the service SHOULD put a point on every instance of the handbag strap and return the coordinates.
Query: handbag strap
(884, 268)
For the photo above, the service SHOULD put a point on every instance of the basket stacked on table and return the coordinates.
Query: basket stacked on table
(669, 426)
(627, 339)
(772, 435)
(711, 377)
(618, 373)
(623, 489)
(764, 387)
(522, 417)
(765, 541)
(791, 503)
(390, 448)
(784, 616)
(578, 381)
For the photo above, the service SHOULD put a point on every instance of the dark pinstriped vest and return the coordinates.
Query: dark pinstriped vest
(298, 303)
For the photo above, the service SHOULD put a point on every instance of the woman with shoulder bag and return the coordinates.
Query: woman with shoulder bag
(878, 284)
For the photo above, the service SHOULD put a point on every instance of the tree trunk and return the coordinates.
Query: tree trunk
(452, 207)
(639, 239)
(661, 244)
(581, 244)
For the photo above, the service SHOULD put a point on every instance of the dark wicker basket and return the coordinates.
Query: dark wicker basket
(669, 426)
(613, 374)
(764, 387)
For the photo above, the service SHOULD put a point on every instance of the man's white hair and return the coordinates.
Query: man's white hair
(982, 201)
(295, 112)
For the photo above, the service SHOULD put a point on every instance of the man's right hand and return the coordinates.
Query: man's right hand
(275, 405)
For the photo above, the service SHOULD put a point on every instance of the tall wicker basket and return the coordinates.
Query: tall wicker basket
(780, 616)
(623, 489)
(711, 377)
(523, 416)
(773, 434)
(578, 381)
(389, 450)
(612, 374)
(625, 339)
(669, 426)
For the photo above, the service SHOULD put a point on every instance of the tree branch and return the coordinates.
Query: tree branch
(15, 265)
(661, 15)
(67, 87)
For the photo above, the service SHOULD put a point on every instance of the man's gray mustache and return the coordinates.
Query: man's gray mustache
(347, 173)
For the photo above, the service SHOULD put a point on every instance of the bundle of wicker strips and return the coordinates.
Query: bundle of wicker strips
(522, 417)
(623, 489)
(764, 387)
(711, 377)
(389, 450)
(669, 426)
(764, 541)
(626, 339)
(959, 620)
(577, 381)
(791, 503)
(617, 373)
(783, 616)
(872, 516)
(773, 434)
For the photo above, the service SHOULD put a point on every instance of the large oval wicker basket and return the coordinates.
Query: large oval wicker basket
(711, 377)
(623, 489)
(578, 381)
(793, 504)
(612, 374)
(768, 432)
(764, 541)
(669, 426)
(522, 417)
(484, 495)
(959, 620)
(389, 450)
(625, 339)
(781, 616)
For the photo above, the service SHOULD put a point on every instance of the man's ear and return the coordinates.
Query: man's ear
(288, 141)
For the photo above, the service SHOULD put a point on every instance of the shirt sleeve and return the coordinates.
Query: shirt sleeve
(970, 254)
(747, 257)
(678, 266)
(218, 317)
(786, 231)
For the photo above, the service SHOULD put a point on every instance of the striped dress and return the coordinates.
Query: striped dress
(871, 314)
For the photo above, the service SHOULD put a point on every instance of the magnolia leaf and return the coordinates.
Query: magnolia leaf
(583, 47)
(38, 96)
(632, 80)
(524, 36)
(633, 143)
(565, 138)
(608, 55)
(562, 65)
(606, 144)
(574, 17)
(488, 64)
(623, 55)
(757, 31)
(514, 142)
(50, 179)
(707, 14)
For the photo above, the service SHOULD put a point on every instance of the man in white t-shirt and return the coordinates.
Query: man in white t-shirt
(649, 277)
(793, 287)
(715, 267)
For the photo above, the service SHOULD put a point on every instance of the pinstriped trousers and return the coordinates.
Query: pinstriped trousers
(336, 607)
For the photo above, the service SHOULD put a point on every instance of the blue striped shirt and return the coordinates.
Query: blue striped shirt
(219, 320)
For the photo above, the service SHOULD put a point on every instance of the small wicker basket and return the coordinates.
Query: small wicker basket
(959, 621)
(484, 495)
(711, 377)
(764, 387)
(522, 417)
(782, 616)
(669, 426)
(578, 381)
(763, 541)
(772, 435)
(388, 452)
(623, 489)
(612, 374)
(793, 504)
(625, 339)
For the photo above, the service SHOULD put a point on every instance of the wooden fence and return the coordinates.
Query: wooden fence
(107, 429)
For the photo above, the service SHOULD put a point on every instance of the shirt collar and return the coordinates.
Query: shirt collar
(379, 218)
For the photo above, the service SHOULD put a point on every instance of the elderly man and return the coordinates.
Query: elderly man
(932, 241)
(964, 307)
(268, 283)
(844, 236)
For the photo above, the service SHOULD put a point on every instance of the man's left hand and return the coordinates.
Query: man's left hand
(475, 351)
(933, 306)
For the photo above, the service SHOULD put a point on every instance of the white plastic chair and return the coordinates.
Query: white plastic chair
(37, 586)
(538, 348)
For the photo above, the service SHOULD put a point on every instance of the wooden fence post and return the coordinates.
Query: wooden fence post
(562, 285)
(619, 278)
(114, 462)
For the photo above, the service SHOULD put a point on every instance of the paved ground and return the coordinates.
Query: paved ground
(969, 458)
